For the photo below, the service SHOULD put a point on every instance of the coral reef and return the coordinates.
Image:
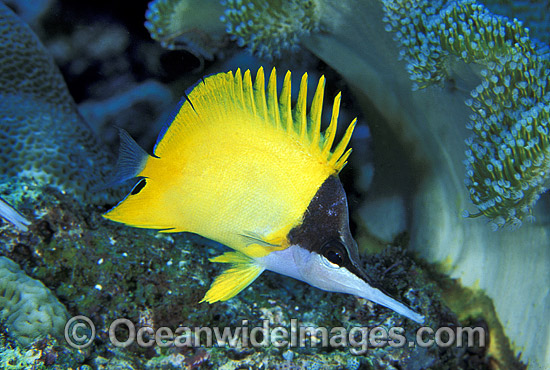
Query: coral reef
(268, 29)
(105, 271)
(28, 308)
(429, 126)
(419, 151)
(43, 140)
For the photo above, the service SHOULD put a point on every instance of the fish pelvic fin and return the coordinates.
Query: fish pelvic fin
(232, 281)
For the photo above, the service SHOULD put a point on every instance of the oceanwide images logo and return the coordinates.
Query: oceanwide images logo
(80, 333)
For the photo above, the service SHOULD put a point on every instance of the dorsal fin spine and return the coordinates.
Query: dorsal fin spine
(330, 132)
(338, 155)
(301, 109)
(248, 92)
(259, 93)
(272, 103)
(315, 113)
(238, 88)
(286, 104)
(341, 147)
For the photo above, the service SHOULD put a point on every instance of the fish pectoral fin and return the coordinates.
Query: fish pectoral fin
(241, 274)
(251, 237)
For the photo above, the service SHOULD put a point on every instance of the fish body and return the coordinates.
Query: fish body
(241, 166)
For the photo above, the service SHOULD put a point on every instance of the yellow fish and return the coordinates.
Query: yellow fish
(239, 166)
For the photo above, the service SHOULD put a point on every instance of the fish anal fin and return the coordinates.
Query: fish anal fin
(233, 280)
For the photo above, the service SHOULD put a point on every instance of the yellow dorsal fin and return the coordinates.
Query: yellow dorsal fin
(233, 280)
(235, 95)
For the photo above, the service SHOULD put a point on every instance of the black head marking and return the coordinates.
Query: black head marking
(325, 223)
(325, 228)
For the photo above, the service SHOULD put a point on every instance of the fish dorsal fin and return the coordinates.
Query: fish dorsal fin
(232, 281)
(233, 100)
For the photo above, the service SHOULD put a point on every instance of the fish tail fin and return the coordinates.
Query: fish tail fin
(232, 281)
(131, 159)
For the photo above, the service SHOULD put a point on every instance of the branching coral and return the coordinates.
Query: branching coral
(507, 160)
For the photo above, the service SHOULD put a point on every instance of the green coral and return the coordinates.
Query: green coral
(43, 139)
(507, 160)
(29, 309)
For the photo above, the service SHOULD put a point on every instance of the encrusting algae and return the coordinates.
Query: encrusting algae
(240, 167)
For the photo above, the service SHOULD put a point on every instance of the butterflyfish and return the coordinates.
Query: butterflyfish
(243, 167)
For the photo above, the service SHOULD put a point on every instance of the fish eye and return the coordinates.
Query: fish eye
(139, 186)
(335, 252)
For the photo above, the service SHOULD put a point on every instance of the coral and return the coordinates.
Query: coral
(43, 140)
(269, 28)
(29, 309)
(266, 28)
(429, 128)
(15, 359)
(507, 160)
(172, 24)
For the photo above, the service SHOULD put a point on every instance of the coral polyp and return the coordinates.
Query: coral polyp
(268, 28)
(507, 164)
